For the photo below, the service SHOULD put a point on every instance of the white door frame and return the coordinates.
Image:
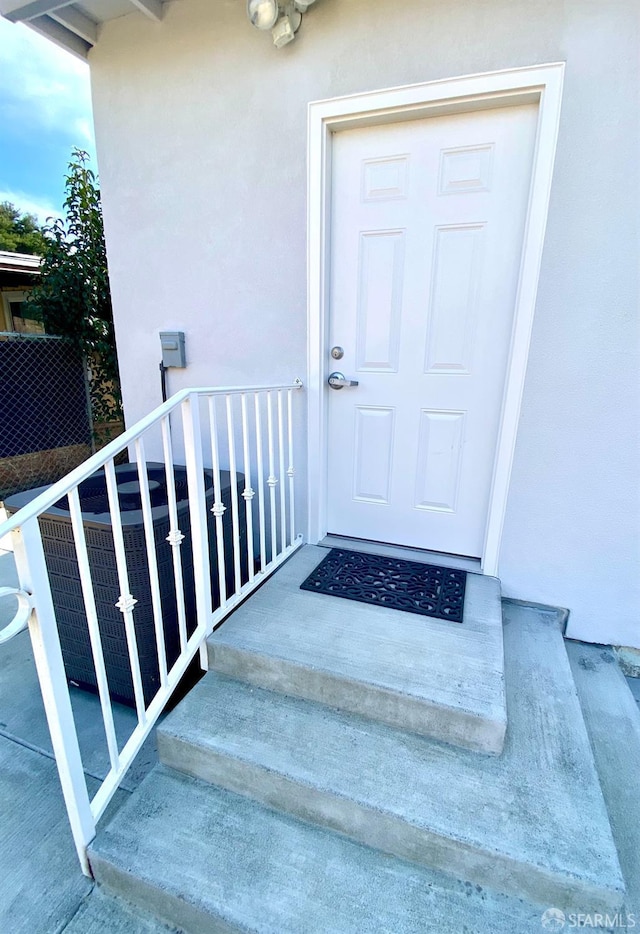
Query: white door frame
(540, 84)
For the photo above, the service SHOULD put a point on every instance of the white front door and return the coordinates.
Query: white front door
(427, 222)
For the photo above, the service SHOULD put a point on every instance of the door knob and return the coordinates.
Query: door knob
(339, 380)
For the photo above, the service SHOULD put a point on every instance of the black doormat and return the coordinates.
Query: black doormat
(391, 582)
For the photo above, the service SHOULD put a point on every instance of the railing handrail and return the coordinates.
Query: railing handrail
(60, 488)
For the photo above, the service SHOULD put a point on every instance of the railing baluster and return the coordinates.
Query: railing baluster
(198, 515)
(34, 578)
(218, 509)
(283, 488)
(127, 601)
(233, 478)
(152, 560)
(272, 480)
(248, 492)
(291, 469)
(260, 482)
(95, 638)
(175, 536)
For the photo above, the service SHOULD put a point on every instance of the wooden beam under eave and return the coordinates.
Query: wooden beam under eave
(151, 8)
(28, 11)
(77, 22)
(62, 36)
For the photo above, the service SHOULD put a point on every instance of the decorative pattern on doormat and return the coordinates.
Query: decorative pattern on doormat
(391, 582)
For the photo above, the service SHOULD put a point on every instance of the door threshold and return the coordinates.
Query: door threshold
(438, 558)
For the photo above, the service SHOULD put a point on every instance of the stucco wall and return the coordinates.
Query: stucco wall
(201, 128)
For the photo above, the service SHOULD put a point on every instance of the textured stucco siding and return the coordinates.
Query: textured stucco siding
(201, 128)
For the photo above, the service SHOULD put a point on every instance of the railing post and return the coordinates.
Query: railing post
(34, 578)
(198, 514)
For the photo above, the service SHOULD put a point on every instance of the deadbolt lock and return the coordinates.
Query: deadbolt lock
(337, 353)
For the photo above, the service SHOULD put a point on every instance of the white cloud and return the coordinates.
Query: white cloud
(27, 205)
(84, 130)
(52, 88)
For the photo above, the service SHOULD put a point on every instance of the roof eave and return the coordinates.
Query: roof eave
(20, 262)
(66, 23)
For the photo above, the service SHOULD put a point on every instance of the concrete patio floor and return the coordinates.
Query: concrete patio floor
(41, 888)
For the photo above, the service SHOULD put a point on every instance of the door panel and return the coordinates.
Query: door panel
(373, 451)
(437, 469)
(453, 305)
(426, 239)
(381, 268)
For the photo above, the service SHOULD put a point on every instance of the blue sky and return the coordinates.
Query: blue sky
(45, 110)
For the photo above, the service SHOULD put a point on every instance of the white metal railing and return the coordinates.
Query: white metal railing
(246, 434)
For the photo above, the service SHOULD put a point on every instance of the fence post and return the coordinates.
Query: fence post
(34, 578)
(86, 366)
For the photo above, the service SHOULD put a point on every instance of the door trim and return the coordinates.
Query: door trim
(540, 84)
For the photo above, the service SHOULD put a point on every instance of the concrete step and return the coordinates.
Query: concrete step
(208, 861)
(531, 823)
(440, 679)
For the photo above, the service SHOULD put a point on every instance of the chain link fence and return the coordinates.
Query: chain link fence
(45, 421)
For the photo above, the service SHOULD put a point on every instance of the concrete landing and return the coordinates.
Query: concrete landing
(434, 677)
(210, 861)
(531, 823)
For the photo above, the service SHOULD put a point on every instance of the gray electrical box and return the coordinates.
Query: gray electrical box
(173, 353)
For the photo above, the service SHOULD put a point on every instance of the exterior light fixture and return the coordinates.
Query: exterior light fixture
(263, 14)
(282, 17)
(287, 26)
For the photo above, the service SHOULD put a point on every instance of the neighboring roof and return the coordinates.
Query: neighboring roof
(75, 25)
(20, 263)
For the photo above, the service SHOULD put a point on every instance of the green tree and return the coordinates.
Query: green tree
(20, 233)
(72, 297)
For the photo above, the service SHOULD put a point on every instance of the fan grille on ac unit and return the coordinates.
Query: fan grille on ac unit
(93, 492)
